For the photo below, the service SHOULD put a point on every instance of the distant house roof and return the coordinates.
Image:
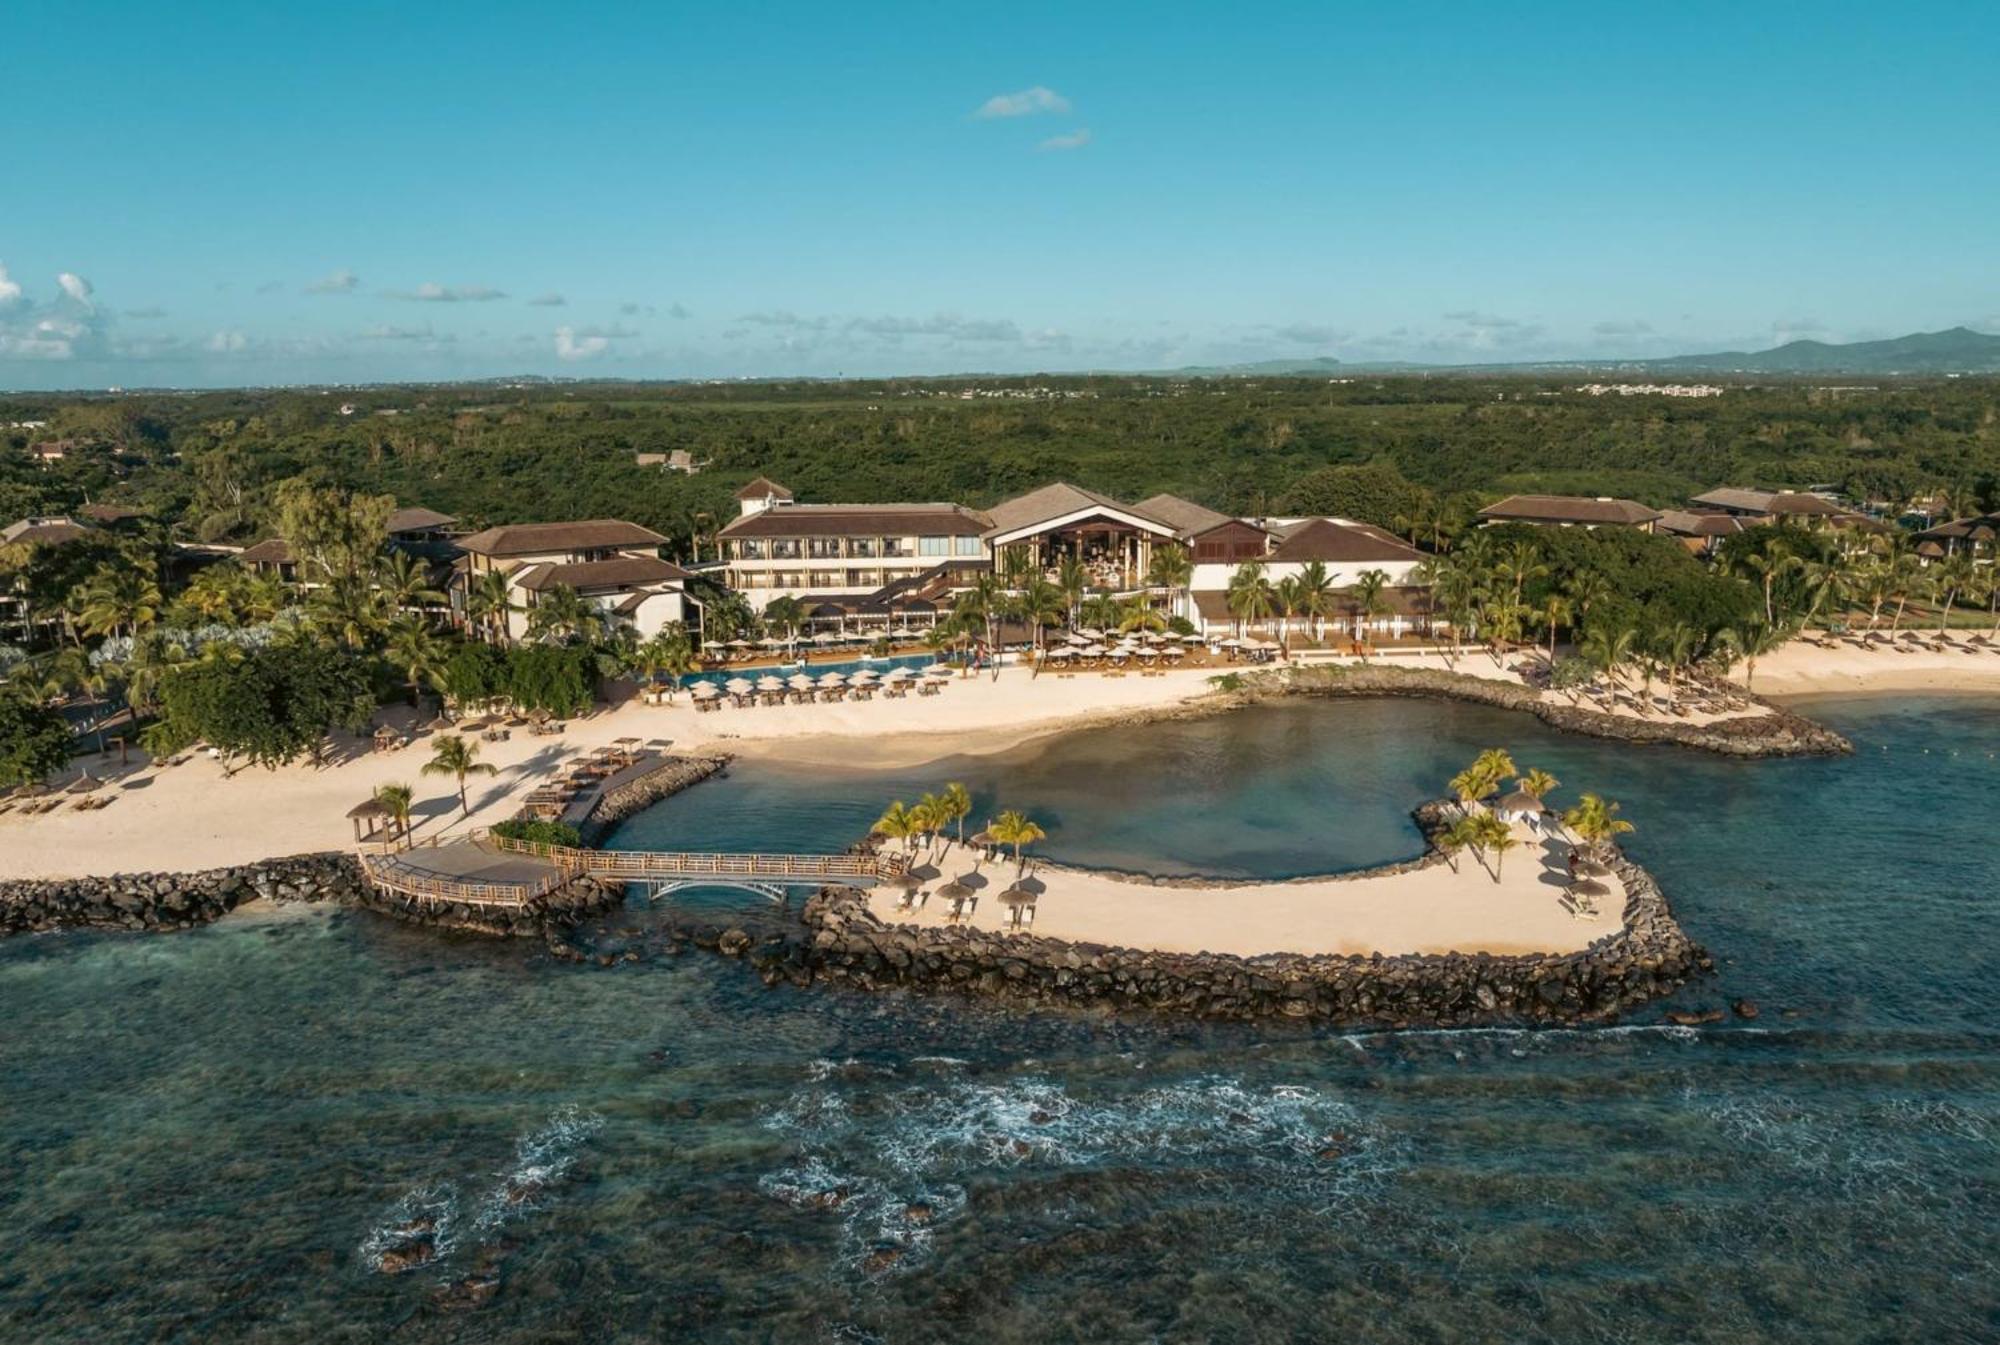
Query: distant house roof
(530, 539)
(1325, 540)
(1185, 515)
(1060, 500)
(416, 519)
(109, 513)
(1579, 509)
(270, 551)
(1981, 529)
(1685, 524)
(588, 575)
(857, 520)
(1736, 500)
(764, 488)
(43, 532)
(1801, 503)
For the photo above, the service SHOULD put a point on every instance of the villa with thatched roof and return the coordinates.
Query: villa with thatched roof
(613, 565)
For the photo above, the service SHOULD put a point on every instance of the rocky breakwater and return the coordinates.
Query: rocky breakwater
(1767, 731)
(169, 901)
(669, 777)
(1646, 958)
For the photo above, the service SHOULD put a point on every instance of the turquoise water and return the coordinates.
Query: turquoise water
(202, 1135)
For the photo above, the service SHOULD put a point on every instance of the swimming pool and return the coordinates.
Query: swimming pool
(816, 667)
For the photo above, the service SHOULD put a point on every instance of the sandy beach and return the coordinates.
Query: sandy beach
(193, 816)
(1434, 909)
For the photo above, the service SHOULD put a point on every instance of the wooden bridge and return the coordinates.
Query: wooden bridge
(486, 870)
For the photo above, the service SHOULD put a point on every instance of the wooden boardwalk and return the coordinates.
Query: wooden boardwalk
(493, 871)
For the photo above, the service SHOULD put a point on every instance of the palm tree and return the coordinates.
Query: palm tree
(1171, 569)
(1073, 579)
(1586, 588)
(1368, 603)
(785, 616)
(1462, 834)
(417, 652)
(1519, 563)
(956, 803)
(1498, 838)
(1608, 650)
(488, 603)
(1250, 597)
(896, 823)
(1951, 577)
(669, 652)
(1676, 647)
(397, 799)
(1554, 611)
(1482, 778)
(1315, 600)
(1751, 641)
(1286, 597)
(1102, 612)
(562, 614)
(1041, 605)
(457, 757)
(118, 600)
(1595, 821)
(929, 816)
(1767, 567)
(1537, 784)
(405, 583)
(1016, 829)
(1140, 614)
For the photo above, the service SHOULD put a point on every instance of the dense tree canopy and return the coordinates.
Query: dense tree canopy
(34, 739)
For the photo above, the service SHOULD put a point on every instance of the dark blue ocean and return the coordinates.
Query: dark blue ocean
(204, 1136)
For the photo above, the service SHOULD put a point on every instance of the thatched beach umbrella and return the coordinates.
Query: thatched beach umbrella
(1520, 803)
(1588, 887)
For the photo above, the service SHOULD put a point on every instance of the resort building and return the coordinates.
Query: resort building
(424, 533)
(1345, 551)
(849, 559)
(1572, 511)
(1038, 531)
(32, 532)
(613, 565)
(1703, 533)
(1970, 536)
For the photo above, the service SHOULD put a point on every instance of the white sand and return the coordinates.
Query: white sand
(191, 817)
(1801, 669)
(1427, 910)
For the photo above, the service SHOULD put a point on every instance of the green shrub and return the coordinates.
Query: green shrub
(535, 832)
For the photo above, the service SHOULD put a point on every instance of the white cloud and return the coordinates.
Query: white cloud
(432, 292)
(1311, 334)
(342, 281)
(75, 286)
(1026, 103)
(636, 310)
(571, 346)
(615, 332)
(228, 343)
(1076, 139)
(679, 313)
(10, 289)
(70, 327)
(1621, 328)
(391, 332)
(947, 326)
(549, 300)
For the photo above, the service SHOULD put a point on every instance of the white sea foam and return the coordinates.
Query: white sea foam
(873, 1157)
(541, 1158)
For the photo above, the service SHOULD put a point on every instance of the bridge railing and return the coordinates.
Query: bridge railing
(386, 871)
(669, 864)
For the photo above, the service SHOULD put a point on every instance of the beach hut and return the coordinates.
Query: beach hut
(372, 821)
(1519, 806)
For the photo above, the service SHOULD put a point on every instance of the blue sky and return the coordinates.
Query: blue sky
(261, 193)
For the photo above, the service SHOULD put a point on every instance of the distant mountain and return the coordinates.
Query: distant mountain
(1957, 351)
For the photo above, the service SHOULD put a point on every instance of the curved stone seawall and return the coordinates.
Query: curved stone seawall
(1777, 733)
(672, 776)
(158, 902)
(1646, 958)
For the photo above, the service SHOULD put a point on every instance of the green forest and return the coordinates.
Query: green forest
(1385, 449)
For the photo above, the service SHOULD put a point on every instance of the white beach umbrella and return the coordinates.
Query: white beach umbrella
(866, 675)
(736, 686)
(833, 679)
(704, 691)
(898, 674)
(769, 684)
(799, 682)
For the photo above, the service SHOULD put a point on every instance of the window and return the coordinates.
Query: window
(825, 578)
(898, 546)
(934, 546)
(823, 548)
(788, 579)
(864, 547)
(752, 548)
(785, 548)
(969, 546)
(864, 579)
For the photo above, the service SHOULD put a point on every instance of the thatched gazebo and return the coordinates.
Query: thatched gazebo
(381, 823)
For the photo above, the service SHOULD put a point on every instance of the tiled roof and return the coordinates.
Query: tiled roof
(533, 539)
(857, 520)
(1185, 515)
(1054, 501)
(762, 488)
(1685, 524)
(1568, 509)
(43, 532)
(1325, 540)
(415, 519)
(270, 551)
(622, 572)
